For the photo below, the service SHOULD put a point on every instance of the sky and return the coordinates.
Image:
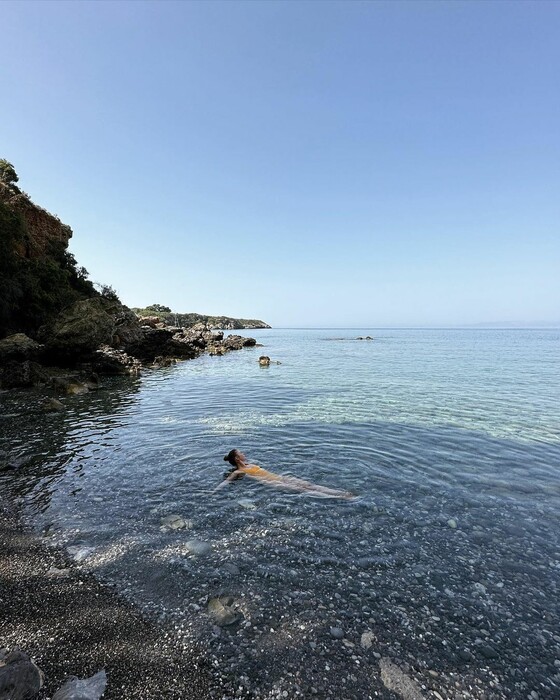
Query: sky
(310, 164)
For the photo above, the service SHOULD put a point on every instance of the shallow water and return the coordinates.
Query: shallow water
(451, 439)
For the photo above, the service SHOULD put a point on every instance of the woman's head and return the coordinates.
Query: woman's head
(235, 458)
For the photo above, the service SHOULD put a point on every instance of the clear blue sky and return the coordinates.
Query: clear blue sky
(307, 163)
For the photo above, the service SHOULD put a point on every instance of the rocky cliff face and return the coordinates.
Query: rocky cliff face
(43, 228)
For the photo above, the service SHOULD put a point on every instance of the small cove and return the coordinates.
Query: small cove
(450, 555)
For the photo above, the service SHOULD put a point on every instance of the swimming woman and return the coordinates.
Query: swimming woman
(241, 468)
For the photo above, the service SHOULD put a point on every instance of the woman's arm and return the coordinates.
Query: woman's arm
(231, 477)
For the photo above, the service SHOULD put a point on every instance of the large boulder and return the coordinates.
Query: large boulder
(87, 325)
(19, 347)
(236, 342)
(109, 361)
(20, 678)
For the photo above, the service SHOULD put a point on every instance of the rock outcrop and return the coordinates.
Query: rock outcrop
(43, 228)
(88, 324)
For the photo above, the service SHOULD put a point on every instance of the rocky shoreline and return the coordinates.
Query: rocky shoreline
(102, 337)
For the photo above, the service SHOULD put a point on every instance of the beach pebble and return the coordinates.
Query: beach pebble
(337, 632)
(452, 523)
(488, 652)
(366, 639)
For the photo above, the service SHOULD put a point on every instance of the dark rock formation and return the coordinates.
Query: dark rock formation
(19, 347)
(26, 373)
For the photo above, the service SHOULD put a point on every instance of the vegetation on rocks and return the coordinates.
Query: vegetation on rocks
(188, 320)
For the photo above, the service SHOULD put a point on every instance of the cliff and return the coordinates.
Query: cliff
(43, 230)
(39, 277)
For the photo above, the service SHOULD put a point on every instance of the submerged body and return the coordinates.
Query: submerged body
(242, 468)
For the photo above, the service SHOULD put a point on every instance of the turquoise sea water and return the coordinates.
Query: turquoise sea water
(451, 438)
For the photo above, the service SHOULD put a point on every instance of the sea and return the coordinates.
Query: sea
(450, 552)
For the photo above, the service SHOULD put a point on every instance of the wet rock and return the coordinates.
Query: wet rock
(247, 503)
(52, 405)
(161, 361)
(223, 611)
(397, 681)
(336, 632)
(109, 361)
(70, 385)
(198, 547)
(236, 342)
(465, 655)
(20, 678)
(175, 522)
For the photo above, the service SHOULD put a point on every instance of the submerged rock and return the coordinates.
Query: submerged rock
(20, 678)
(52, 405)
(222, 611)
(247, 503)
(198, 547)
(175, 522)
(80, 552)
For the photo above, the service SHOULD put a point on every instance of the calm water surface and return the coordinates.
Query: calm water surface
(451, 438)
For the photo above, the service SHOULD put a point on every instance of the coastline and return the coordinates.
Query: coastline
(71, 624)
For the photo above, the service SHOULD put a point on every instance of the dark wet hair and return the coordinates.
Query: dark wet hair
(234, 457)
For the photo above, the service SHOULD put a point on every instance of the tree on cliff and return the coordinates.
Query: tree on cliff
(8, 174)
(158, 309)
